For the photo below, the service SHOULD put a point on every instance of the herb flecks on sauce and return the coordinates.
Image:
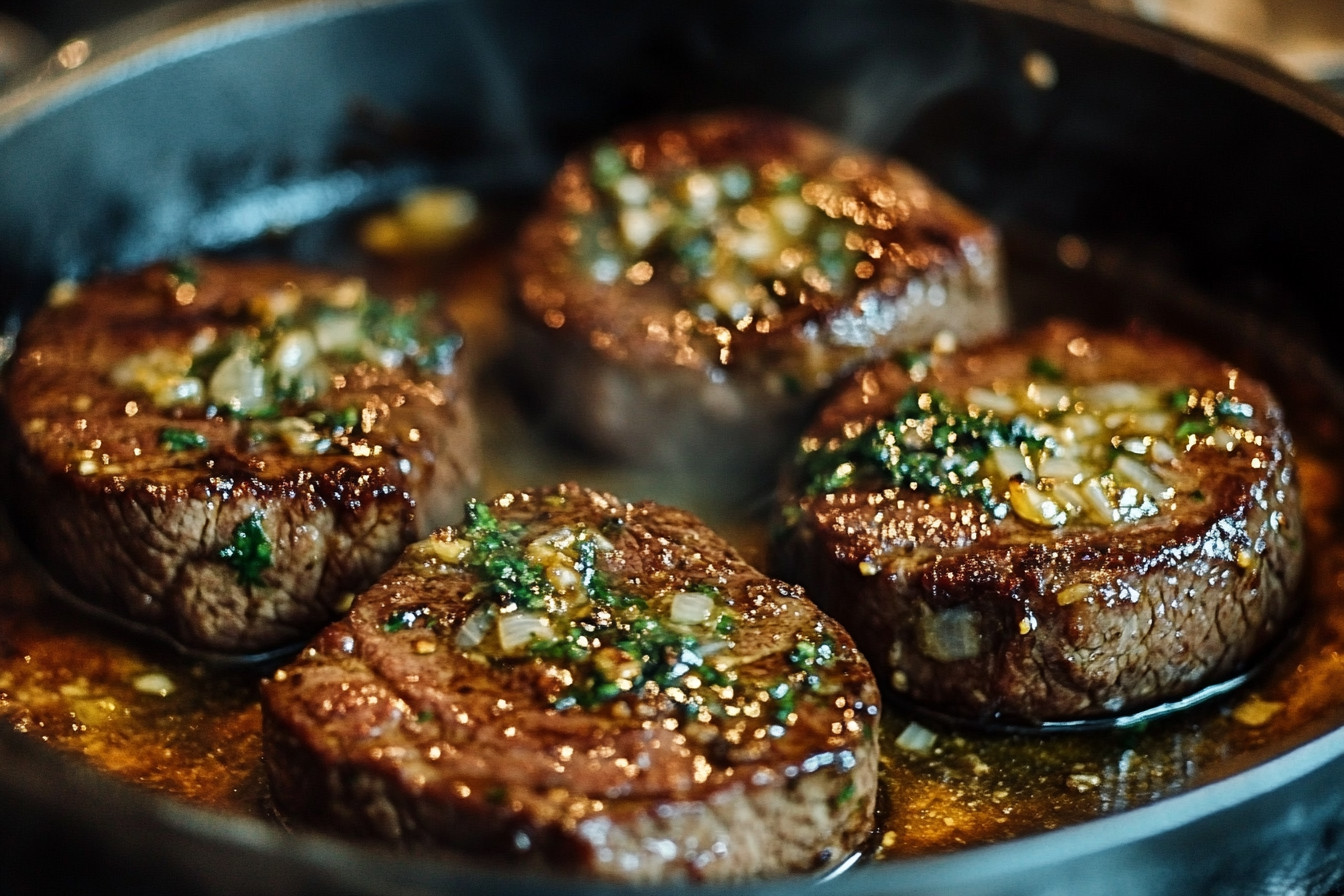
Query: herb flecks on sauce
(1046, 451)
(741, 243)
(274, 361)
(544, 595)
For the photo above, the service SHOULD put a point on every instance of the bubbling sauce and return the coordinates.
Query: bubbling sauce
(190, 732)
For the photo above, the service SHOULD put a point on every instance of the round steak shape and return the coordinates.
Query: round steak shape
(1064, 525)
(223, 452)
(587, 684)
(690, 284)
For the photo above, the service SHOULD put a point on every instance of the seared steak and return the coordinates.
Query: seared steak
(225, 452)
(600, 686)
(690, 284)
(1066, 524)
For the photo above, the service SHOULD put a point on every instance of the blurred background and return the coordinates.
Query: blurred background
(58, 19)
(1304, 36)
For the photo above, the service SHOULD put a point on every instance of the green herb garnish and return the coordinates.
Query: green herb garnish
(845, 795)
(250, 552)
(617, 642)
(737, 242)
(1203, 412)
(607, 165)
(273, 363)
(496, 556)
(174, 439)
(336, 422)
(1045, 369)
(403, 619)
(912, 361)
(926, 444)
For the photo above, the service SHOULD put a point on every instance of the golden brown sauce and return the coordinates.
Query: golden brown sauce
(129, 709)
(144, 714)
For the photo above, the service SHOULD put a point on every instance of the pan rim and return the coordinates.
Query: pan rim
(50, 86)
(114, 58)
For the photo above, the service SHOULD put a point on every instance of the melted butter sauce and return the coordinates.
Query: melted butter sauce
(128, 709)
(192, 733)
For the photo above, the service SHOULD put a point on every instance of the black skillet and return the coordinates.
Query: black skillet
(1170, 159)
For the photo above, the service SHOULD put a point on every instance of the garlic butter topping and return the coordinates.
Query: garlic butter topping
(550, 595)
(271, 362)
(741, 243)
(1046, 451)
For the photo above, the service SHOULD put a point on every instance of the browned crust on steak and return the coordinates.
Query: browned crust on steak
(137, 530)
(1167, 604)
(630, 372)
(403, 736)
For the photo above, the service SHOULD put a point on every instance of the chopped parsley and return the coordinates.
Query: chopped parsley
(913, 361)
(660, 655)
(1096, 453)
(496, 556)
(511, 580)
(317, 432)
(613, 641)
(403, 619)
(1045, 369)
(845, 795)
(250, 551)
(338, 421)
(1203, 412)
(807, 656)
(175, 439)
(1187, 428)
(926, 444)
(401, 330)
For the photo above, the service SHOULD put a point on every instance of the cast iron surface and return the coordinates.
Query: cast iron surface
(1213, 168)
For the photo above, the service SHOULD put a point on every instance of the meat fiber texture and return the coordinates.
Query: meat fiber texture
(680, 360)
(152, 534)
(1006, 621)
(387, 727)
